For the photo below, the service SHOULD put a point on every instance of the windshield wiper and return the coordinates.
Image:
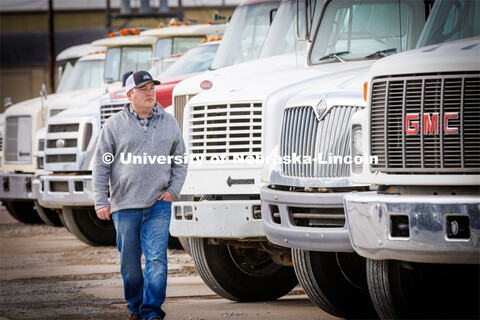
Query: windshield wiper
(335, 55)
(382, 53)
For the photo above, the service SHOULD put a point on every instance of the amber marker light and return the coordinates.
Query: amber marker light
(365, 89)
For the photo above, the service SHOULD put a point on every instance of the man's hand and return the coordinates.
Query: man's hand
(167, 196)
(104, 213)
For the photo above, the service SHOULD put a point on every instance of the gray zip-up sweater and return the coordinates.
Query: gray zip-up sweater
(138, 174)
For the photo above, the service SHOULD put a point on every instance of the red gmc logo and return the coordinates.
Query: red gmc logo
(430, 123)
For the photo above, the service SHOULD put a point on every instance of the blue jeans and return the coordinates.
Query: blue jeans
(144, 230)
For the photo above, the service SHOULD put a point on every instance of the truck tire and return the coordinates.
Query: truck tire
(415, 290)
(240, 274)
(23, 211)
(62, 219)
(335, 282)
(184, 243)
(84, 224)
(49, 217)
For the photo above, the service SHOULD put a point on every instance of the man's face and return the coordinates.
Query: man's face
(143, 97)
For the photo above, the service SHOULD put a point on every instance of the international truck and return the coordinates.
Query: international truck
(230, 128)
(69, 187)
(419, 226)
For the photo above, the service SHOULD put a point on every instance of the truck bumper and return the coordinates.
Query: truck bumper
(16, 186)
(430, 229)
(56, 191)
(279, 208)
(235, 219)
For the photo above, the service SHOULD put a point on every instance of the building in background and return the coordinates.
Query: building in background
(24, 32)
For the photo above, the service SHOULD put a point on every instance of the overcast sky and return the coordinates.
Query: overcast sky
(20, 5)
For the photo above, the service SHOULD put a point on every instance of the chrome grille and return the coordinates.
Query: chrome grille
(433, 150)
(303, 135)
(66, 134)
(225, 130)
(18, 139)
(179, 105)
(68, 127)
(107, 110)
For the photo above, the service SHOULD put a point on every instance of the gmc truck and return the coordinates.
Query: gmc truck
(419, 227)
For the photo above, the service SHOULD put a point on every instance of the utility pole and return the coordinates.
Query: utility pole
(51, 45)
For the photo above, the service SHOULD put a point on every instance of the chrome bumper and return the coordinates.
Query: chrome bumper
(16, 186)
(430, 229)
(281, 229)
(56, 191)
(235, 219)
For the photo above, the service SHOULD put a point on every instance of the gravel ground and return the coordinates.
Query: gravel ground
(43, 291)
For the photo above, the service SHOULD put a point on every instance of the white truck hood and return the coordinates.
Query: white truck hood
(436, 58)
(55, 101)
(224, 76)
(89, 109)
(258, 88)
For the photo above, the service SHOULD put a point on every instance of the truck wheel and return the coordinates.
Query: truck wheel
(184, 243)
(48, 216)
(62, 219)
(240, 274)
(23, 211)
(335, 282)
(84, 224)
(415, 290)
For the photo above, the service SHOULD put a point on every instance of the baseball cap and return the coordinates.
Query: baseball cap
(138, 79)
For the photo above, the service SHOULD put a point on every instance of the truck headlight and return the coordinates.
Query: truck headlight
(357, 141)
(357, 146)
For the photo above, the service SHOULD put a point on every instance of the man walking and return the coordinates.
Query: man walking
(140, 192)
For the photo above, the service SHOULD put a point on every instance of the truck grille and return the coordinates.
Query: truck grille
(179, 104)
(430, 148)
(18, 148)
(106, 111)
(61, 143)
(305, 136)
(225, 130)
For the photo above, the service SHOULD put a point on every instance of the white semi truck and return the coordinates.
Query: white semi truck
(419, 227)
(69, 187)
(231, 126)
(23, 119)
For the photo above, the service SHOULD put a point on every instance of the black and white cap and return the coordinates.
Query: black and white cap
(138, 79)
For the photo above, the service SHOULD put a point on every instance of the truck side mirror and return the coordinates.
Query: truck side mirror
(43, 92)
(7, 102)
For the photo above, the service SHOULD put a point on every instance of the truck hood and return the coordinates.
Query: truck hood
(224, 76)
(88, 109)
(76, 98)
(461, 55)
(258, 88)
(56, 101)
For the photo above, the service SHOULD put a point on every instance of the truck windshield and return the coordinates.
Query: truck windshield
(176, 45)
(245, 34)
(451, 20)
(84, 75)
(196, 60)
(281, 37)
(119, 61)
(354, 29)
